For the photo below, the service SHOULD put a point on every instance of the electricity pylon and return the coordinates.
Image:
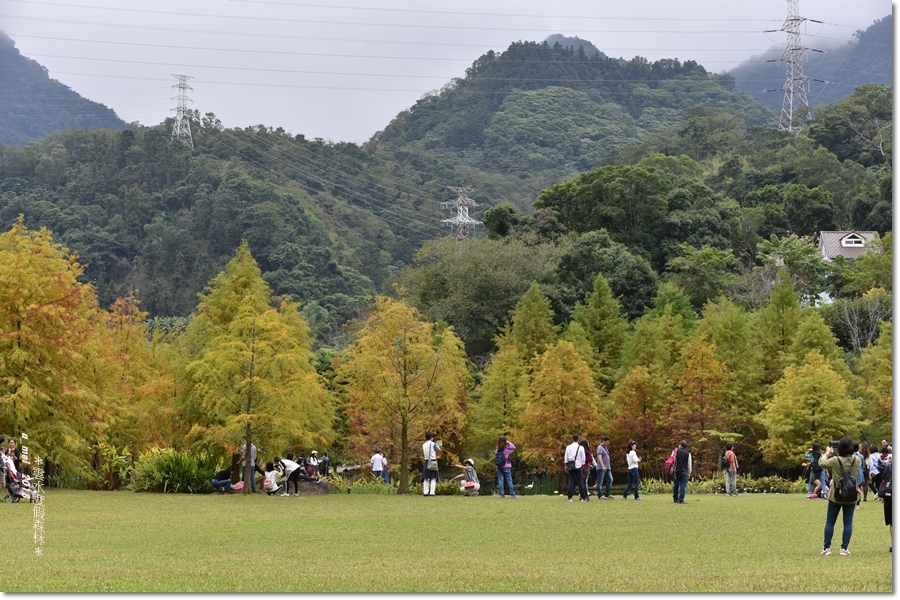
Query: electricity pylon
(182, 128)
(795, 106)
(462, 222)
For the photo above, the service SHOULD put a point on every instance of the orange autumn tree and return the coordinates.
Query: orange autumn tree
(561, 400)
(639, 398)
(404, 377)
(130, 378)
(698, 412)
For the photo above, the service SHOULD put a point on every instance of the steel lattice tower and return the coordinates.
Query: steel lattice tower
(182, 128)
(462, 222)
(795, 106)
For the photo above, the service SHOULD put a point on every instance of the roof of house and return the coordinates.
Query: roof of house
(849, 244)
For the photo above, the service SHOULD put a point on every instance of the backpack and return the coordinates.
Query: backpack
(723, 462)
(884, 490)
(669, 466)
(500, 457)
(814, 465)
(846, 490)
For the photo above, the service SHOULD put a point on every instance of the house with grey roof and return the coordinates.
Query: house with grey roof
(849, 244)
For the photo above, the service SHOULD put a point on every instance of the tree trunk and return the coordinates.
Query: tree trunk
(248, 467)
(404, 458)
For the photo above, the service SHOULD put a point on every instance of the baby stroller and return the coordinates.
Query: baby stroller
(18, 484)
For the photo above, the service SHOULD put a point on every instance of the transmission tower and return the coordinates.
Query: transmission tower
(182, 128)
(462, 222)
(796, 103)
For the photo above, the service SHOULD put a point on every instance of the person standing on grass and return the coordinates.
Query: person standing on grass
(864, 482)
(574, 460)
(504, 473)
(604, 472)
(731, 471)
(377, 464)
(634, 476)
(385, 469)
(885, 494)
(874, 469)
(816, 484)
(682, 472)
(860, 473)
(430, 450)
(588, 463)
(836, 465)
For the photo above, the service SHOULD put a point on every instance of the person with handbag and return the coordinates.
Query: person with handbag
(574, 459)
(469, 485)
(430, 472)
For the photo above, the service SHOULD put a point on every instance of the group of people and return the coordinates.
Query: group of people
(832, 471)
(380, 467)
(280, 475)
(869, 472)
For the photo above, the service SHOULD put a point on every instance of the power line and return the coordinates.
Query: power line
(417, 26)
(606, 51)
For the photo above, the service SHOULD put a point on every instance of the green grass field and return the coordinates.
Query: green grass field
(127, 542)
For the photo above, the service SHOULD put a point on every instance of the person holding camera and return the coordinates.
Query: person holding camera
(816, 481)
(844, 462)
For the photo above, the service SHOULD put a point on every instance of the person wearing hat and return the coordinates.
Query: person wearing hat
(469, 485)
(312, 464)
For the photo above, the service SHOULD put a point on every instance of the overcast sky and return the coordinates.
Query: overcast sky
(342, 69)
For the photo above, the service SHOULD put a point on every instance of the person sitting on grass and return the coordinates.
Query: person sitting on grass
(221, 481)
(469, 485)
(270, 482)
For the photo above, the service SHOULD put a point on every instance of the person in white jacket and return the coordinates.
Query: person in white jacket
(574, 460)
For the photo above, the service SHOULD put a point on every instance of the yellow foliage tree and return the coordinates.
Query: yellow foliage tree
(810, 405)
(404, 377)
(247, 375)
(47, 322)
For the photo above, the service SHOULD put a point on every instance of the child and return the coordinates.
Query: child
(270, 484)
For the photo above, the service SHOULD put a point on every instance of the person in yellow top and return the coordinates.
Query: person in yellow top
(845, 461)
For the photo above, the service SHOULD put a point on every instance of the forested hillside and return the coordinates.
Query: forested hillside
(523, 119)
(33, 105)
(834, 73)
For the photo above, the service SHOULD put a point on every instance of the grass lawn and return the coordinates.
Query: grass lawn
(127, 542)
